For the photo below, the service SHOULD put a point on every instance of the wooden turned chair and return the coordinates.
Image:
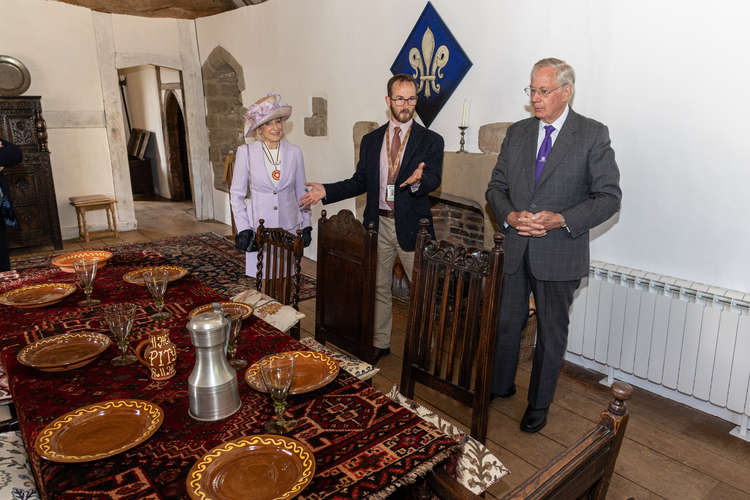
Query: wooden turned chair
(450, 333)
(584, 470)
(345, 288)
(282, 252)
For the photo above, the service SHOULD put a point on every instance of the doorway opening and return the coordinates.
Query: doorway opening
(179, 173)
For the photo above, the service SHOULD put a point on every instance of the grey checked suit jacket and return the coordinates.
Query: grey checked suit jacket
(580, 180)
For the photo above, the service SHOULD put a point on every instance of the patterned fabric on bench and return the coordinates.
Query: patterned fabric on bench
(4, 389)
(476, 468)
(353, 366)
(16, 480)
(270, 310)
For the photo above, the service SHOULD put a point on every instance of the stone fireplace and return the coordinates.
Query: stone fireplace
(465, 179)
(458, 220)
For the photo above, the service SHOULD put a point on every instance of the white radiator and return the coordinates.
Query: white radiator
(687, 341)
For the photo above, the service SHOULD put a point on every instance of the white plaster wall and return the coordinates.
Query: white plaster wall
(81, 170)
(143, 35)
(169, 75)
(56, 43)
(667, 81)
(143, 106)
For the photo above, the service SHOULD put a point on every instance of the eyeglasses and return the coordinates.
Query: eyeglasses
(404, 100)
(530, 91)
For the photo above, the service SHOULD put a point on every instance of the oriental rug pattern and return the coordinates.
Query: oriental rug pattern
(365, 444)
(208, 256)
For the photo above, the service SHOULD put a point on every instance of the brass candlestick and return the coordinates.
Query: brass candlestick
(462, 128)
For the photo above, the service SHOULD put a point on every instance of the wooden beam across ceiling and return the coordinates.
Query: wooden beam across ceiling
(178, 9)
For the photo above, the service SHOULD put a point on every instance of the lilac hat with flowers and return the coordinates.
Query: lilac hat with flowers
(264, 110)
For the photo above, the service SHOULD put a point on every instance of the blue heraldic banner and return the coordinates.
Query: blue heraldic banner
(433, 56)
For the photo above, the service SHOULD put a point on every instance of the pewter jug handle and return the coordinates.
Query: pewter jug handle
(228, 330)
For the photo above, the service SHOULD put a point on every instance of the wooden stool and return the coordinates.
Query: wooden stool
(83, 204)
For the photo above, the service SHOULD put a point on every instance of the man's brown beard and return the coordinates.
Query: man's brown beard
(396, 116)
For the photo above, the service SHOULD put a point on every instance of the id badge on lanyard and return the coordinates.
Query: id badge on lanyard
(390, 192)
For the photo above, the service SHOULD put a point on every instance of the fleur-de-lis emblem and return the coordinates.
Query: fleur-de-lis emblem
(429, 64)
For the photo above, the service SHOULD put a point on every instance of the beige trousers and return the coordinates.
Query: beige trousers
(388, 248)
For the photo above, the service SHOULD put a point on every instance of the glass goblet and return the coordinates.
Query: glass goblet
(234, 339)
(120, 318)
(156, 282)
(86, 272)
(277, 371)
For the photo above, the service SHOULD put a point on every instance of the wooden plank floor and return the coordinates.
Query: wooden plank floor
(670, 450)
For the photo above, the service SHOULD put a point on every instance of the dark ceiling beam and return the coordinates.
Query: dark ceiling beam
(178, 9)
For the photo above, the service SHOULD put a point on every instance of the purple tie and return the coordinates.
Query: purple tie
(544, 150)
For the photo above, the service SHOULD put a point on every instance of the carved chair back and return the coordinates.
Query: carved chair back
(345, 287)
(279, 266)
(450, 333)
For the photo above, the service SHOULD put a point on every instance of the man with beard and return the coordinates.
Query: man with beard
(397, 170)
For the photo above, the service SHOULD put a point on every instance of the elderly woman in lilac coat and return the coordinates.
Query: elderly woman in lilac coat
(269, 178)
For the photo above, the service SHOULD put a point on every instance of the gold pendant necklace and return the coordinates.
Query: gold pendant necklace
(276, 173)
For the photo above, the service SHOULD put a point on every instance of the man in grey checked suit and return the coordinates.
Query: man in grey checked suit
(555, 179)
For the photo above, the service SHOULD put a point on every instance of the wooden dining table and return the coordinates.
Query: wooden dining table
(365, 445)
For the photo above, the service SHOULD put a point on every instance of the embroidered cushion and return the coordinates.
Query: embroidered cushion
(476, 467)
(270, 310)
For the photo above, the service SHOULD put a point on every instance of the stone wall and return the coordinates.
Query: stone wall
(223, 83)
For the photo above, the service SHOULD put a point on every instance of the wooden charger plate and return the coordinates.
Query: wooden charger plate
(64, 352)
(99, 430)
(312, 370)
(261, 467)
(231, 308)
(33, 296)
(136, 277)
(65, 262)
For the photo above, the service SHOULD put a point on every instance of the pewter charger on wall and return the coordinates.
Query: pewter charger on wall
(433, 56)
(14, 77)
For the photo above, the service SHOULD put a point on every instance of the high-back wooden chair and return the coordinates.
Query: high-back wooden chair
(450, 333)
(583, 470)
(345, 287)
(280, 255)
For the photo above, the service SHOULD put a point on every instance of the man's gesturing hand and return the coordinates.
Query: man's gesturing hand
(316, 193)
(415, 177)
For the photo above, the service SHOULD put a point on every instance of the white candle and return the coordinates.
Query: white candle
(465, 114)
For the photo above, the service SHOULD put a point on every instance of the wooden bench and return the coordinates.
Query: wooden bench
(584, 470)
(83, 204)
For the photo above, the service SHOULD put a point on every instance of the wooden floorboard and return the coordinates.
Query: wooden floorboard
(670, 450)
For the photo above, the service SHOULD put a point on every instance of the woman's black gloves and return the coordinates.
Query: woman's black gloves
(245, 241)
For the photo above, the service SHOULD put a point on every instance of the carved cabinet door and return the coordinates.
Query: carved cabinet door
(31, 187)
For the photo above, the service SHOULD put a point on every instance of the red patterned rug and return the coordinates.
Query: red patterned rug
(209, 256)
(365, 444)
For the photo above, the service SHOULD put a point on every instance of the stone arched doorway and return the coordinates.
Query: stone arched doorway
(223, 83)
(180, 186)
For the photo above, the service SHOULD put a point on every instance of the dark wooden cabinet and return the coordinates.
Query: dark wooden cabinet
(140, 175)
(31, 186)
